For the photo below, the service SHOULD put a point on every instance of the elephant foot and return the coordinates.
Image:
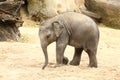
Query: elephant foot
(58, 65)
(75, 63)
(65, 60)
(92, 65)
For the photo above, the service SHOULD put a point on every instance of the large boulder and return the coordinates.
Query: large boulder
(42, 9)
(80, 4)
(108, 9)
(10, 20)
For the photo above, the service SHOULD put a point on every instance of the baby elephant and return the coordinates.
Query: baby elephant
(74, 29)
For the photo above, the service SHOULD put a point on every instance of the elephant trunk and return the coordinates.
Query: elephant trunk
(44, 48)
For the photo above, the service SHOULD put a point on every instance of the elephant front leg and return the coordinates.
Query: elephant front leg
(77, 56)
(61, 44)
(60, 53)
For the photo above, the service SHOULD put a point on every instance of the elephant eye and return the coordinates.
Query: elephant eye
(48, 36)
(40, 30)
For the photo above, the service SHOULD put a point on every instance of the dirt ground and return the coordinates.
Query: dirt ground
(23, 60)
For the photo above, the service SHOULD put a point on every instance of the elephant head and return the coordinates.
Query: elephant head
(49, 32)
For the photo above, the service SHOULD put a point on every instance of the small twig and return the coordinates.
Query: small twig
(7, 12)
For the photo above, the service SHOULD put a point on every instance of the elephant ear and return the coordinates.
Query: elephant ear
(57, 26)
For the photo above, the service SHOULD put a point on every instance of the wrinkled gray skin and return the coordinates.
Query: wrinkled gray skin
(74, 29)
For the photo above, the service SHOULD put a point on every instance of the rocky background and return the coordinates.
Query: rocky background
(106, 12)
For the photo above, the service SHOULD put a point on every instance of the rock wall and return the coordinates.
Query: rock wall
(80, 4)
(42, 9)
(109, 10)
(105, 11)
(10, 20)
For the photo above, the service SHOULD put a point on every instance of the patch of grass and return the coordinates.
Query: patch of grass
(31, 24)
(102, 25)
(112, 22)
(107, 26)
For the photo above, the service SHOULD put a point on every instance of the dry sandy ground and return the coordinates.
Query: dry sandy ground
(23, 61)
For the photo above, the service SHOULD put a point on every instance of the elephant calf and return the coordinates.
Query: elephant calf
(74, 29)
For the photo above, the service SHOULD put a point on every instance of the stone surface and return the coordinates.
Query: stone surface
(42, 9)
(108, 9)
(10, 20)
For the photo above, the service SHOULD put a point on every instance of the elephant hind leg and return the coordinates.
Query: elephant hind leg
(92, 58)
(77, 56)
